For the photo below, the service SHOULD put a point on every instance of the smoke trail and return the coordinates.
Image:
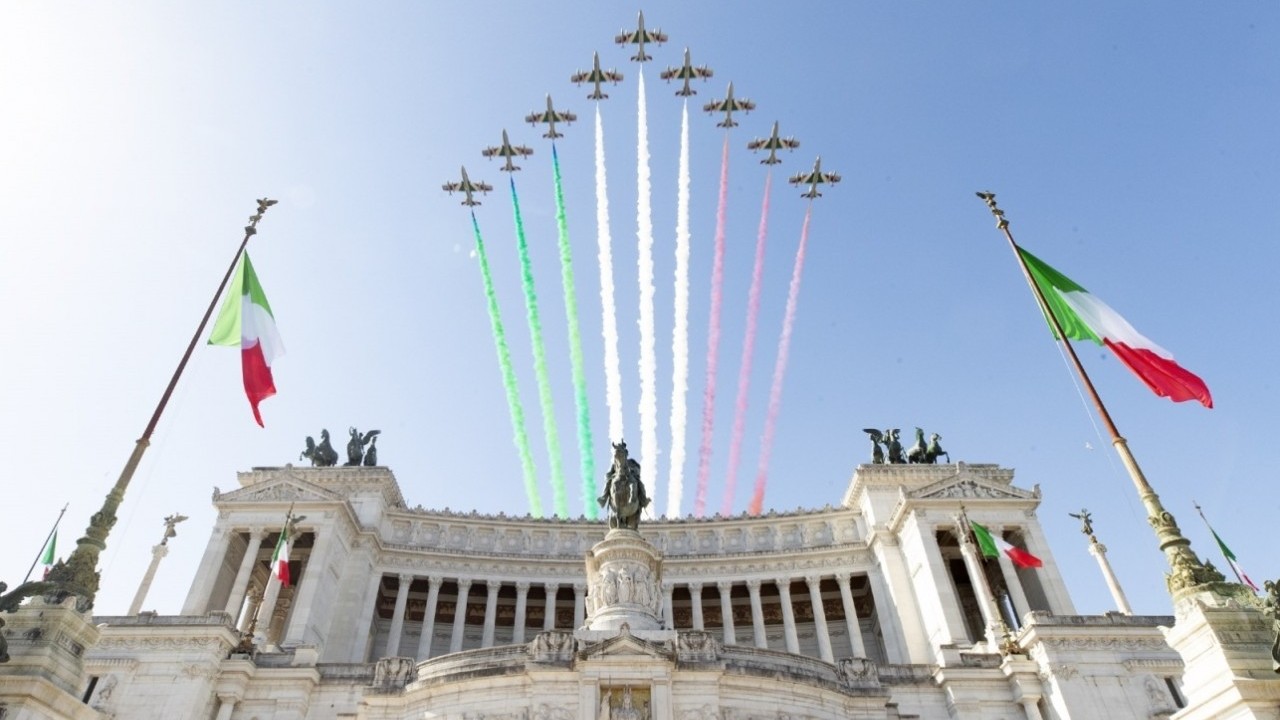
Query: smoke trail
(680, 331)
(780, 369)
(609, 326)
(508, 378)
(713, 337)
(748, 349)
(540, 364)
(575, 348)
(644, 234)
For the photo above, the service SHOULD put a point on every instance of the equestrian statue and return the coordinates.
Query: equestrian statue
(624, 494)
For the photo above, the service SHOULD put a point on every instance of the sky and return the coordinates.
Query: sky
(1134, 149)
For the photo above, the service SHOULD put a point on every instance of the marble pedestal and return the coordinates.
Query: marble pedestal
(624, 584)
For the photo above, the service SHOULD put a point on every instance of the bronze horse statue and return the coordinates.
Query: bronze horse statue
(926, 454)
(322, 455)
(624, 493)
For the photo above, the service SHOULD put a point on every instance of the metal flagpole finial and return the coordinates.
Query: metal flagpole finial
(990, 199)
(263, 204)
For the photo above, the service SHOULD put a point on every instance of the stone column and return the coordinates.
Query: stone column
(978, 578)
(429, 617)
(490, 612)
(460, 614)
(726, 612)
(856, 645)
(757, 615)
(253, 596)
(235, 603)
(157, 553)
(695, 604)
(397, 617)
(522, 602)
(1032, 708)
(226, 706)
(668, 606)
(267, 610)
(197, 602)
(305, 607)
(1014, 584)
(820, 617)
(549, 614)
(788, 616)
(1099, 551)
(579, 605)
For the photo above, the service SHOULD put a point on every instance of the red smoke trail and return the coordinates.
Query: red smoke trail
(748, 349)
(780, 369)
(713, 338)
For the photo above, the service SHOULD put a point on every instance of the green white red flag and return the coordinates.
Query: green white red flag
(50, 551)
(993, 545)
(1231, 558)
(246, 321)
(280, 558)
(1085, 317)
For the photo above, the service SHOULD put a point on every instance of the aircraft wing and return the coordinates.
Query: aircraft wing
(627, 38)
(521, 150)
(580, 77)
(717, 106)
(483, 187)
(745, 105)
(703, 72)
(565, 117)
(670, 73)
(801, 178)
(613, 77)
(535, 118)
(452, 186)
(491, 151)
(830, 177)
(756, 144)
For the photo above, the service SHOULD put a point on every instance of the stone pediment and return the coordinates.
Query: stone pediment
(965, 486)
(625, 645)
(279, 489)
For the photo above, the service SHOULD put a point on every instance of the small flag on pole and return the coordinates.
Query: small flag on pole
(1084, 316)
(1226, 552)
(50, 552)
(246, 321)
(280, 559)
(993, 545)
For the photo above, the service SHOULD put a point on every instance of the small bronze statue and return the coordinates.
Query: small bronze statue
(169, 530)
(877, 455)
(322, 455)
(355, 446)
(624, 493)
(1086, 521)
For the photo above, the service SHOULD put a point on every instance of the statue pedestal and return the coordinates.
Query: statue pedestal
(45, 676)
(624, 584)
(1225, 645)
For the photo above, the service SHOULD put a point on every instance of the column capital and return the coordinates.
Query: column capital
(464, 583)
(435, 579)
(724, 586)
(552, 588)
(522, 586)
(844, 577)
(695, 587)
(579, 588)
(812, 580)
(493, 585)
(754, 585)
(405, 578)
(784, 586)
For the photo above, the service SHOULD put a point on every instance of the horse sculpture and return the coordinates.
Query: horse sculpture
(322, 455)
(926, 454)
(624, 493)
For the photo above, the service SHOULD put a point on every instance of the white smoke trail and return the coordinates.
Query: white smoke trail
(609, 326)
(644, 233)
(680, 333)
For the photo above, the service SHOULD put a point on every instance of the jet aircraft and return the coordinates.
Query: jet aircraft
(640, 36)
(686, 73)
(813, 179)
(773, 144)
(596, 75)
(551, 116)
(467, 187)
(508, 151)
(728, 106)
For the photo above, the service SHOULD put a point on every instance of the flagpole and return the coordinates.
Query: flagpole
(1188, 573)
(1004, 643)
(1215, 535)
(79, 575)
(40, 554)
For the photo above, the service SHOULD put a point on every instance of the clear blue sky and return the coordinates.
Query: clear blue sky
(1134, 148)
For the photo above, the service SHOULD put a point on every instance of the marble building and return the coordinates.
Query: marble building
(874, 607)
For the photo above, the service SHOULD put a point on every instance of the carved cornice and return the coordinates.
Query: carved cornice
(342, 480)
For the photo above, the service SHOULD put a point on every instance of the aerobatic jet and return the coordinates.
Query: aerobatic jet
(813, 179)
(596, 76)
(640, 36)
(728, 106)
(773, 144)
(467, 187)
(686, 73)
(508, 151)
(550, 116)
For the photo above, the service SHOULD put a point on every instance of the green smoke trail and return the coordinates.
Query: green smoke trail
(558, 495)
(575, 350)
(508, 378)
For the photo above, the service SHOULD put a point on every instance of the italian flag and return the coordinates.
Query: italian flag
(47, 560)
(246, 321)
(1231, 558)
(1084, 317)
(992, 546)
(280, 559)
